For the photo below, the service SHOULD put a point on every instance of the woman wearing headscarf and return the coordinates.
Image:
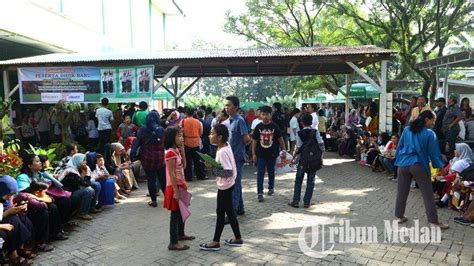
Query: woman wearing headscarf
(443, 183)
(348, 146)
(74, 179)
(47, 223)
(151, 155)
(15, 227)
(118, 163)
(173, 119)
(353, 119)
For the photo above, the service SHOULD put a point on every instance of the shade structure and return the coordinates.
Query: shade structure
(162, 95)
(248, 105)
(360, 91)
(320, 98)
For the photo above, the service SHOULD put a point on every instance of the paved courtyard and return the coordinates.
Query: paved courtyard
(132, 233)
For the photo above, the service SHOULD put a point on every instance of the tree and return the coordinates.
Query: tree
(416, 30)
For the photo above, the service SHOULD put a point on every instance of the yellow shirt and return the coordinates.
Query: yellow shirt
(415, 112)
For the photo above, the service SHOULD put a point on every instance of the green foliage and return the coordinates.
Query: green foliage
(50, 153)
(288, 102)
(5, 106)
(212, 101)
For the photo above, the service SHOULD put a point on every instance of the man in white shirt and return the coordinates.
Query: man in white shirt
(256, 121)
(312, 109)
(104, 117)
(294, 128)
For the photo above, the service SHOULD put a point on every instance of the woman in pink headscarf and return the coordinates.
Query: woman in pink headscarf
(173, 119)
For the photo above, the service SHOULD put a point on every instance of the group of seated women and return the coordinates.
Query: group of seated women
(38, 205)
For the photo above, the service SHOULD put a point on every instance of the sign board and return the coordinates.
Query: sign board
(51, 84)
(85, 84)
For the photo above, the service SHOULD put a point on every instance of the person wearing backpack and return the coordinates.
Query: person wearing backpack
(265, 150)
(310, 147)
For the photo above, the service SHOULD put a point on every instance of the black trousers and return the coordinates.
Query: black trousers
(104, 138)
(54, 219)
(192, 158)
(40, 221)
(65, 209)
(155, 179)
(176, 227)
(224, 206)
(21, 233)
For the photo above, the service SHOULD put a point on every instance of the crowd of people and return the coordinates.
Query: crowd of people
(166, 150)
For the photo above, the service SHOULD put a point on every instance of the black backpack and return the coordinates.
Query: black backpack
(311, 155)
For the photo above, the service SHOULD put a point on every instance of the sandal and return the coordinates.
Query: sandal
(174, 247)
(26, 254)
(153, 204)
(184, 238)
(294, 204)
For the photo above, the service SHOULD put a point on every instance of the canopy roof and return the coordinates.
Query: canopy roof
(360, 91)
(461, 59)
(224, 62)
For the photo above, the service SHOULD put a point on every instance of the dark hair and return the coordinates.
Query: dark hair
(82, 168)
(27, 161)
(223, 131)
(321, 112)
(314, 106)
(180, 109)
(234, 100)
(295, 111)
(200, 114)
(43, 158)
(190, 111)
(143, 105)
(37, 186)
(385, 138)
(170, 136)
(208, 110)
(367, 134)
(306, 120)
(266, 109)
(98, 156)
(419, 123)
(104, 101)
(70, 147)
(93, 118)
(277, 106)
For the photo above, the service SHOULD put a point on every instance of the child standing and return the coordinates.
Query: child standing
(225, 183)
(126, 129)
(175, 182)
(265, 150)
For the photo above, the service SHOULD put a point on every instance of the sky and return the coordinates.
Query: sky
(204, 20)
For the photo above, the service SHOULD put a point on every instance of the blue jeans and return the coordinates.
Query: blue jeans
(262, 165)
(97, 187)
(309, 186)
(83, 197)
(237, 201)
(388, 164)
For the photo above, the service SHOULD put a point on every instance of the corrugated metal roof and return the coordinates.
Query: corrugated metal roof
(172, 55)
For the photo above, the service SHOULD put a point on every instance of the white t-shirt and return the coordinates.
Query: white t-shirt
(293, 125)
(92, 130)
(104, 116)
(283, 165)
(255, 122)
(315, 120)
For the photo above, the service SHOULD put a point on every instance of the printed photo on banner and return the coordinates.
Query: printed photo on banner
(144, 77)
(108, 81)
(126, 78)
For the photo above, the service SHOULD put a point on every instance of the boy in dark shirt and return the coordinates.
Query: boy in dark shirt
(265, 150)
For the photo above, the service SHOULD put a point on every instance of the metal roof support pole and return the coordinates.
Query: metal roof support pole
(349, 78)
(165, 78)
(363, 75)
(175, 92)
(188, 87)
(445, 83)
(14, 90)
(383, 112)
(6, 84)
